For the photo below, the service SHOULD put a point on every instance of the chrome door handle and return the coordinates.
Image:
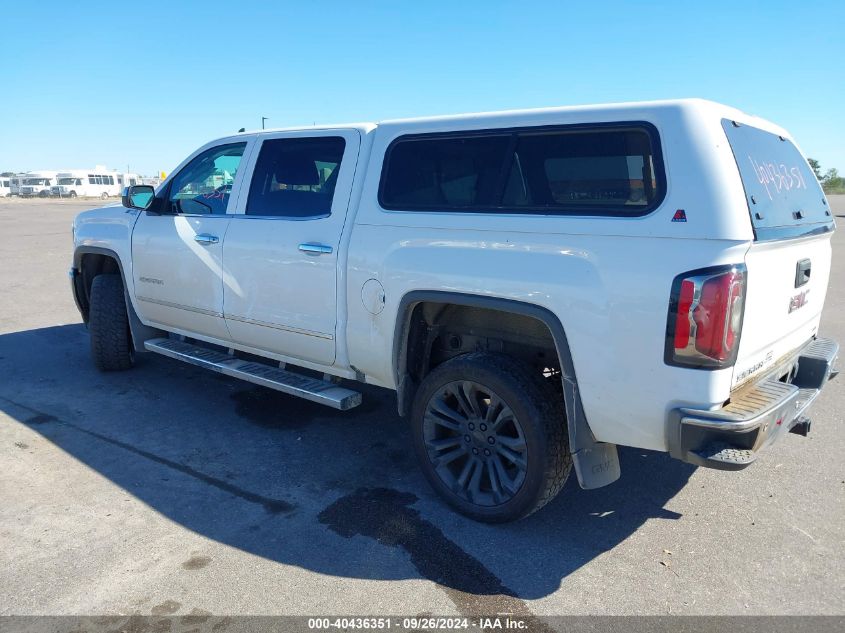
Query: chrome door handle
(206, 238)
(315, 249)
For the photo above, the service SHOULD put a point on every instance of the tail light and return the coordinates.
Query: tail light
(705, 317)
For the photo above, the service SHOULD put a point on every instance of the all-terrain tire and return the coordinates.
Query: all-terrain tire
(541, 415)
(108, 325)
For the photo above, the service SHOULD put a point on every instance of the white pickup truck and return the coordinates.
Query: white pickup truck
(537, 286)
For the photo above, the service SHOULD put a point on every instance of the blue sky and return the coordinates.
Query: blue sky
(145, 83)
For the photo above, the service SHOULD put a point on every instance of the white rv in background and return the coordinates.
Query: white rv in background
(37, 183)
(5, 186)
(97, 183)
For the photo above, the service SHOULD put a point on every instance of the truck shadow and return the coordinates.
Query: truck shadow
(296, 483)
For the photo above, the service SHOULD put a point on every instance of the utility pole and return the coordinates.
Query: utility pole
(264, 118)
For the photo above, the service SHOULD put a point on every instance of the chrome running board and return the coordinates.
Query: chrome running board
(313, 389)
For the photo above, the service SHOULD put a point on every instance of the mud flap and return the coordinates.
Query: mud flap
(597, 466)
(596, 463)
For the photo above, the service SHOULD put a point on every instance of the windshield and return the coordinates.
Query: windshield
(35, 181)
(67, 181)
(782, 193)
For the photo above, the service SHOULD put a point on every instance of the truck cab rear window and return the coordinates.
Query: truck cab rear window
(784, 198)
(596, 170)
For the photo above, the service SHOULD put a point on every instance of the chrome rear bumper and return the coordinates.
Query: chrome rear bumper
(730, 437)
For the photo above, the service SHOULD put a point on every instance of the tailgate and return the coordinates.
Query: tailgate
(789, 261)
(781, 312)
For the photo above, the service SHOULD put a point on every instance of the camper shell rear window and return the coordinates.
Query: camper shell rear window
(784, 197)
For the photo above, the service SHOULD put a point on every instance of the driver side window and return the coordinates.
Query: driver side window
(204, 185)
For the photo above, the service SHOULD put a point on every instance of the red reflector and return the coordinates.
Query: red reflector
(682, 324)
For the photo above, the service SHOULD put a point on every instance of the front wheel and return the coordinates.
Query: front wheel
(108, 324)
(490, 436)
(104, 196)
(72, 194)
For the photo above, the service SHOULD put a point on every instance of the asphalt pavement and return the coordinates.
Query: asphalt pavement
(171, 490)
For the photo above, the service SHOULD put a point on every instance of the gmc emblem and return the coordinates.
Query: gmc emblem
(798, 301)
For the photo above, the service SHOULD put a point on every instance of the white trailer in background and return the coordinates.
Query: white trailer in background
(93, 183)
(153, 181)
(37, 183)
(128, 179)
(15, 183)
(5, 186)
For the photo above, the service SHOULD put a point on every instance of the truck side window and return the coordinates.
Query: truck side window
(296, 177)
(583, 170)
(204, 185)
(579, 170)
(445, 172)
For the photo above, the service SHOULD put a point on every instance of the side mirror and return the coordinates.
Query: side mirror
(137, 197)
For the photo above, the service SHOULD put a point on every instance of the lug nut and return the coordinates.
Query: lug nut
(491, 440)
(475, 451)
(487, 452)
(467, 438)
(483, 427)
(471, 426)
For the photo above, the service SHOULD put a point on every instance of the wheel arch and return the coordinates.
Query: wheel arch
(596, 464)
(90, 261)
(413, 299)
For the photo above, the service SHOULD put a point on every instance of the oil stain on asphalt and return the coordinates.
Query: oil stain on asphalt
(386, 515)
(382, 514)
(40, 418)
(196, 562)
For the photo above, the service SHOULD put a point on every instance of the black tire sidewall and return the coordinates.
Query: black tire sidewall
(513, 382)
(108, 324)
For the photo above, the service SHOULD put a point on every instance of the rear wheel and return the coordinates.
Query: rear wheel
(490, 436)
(72, 194)
(104, 195)
(108, 324)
